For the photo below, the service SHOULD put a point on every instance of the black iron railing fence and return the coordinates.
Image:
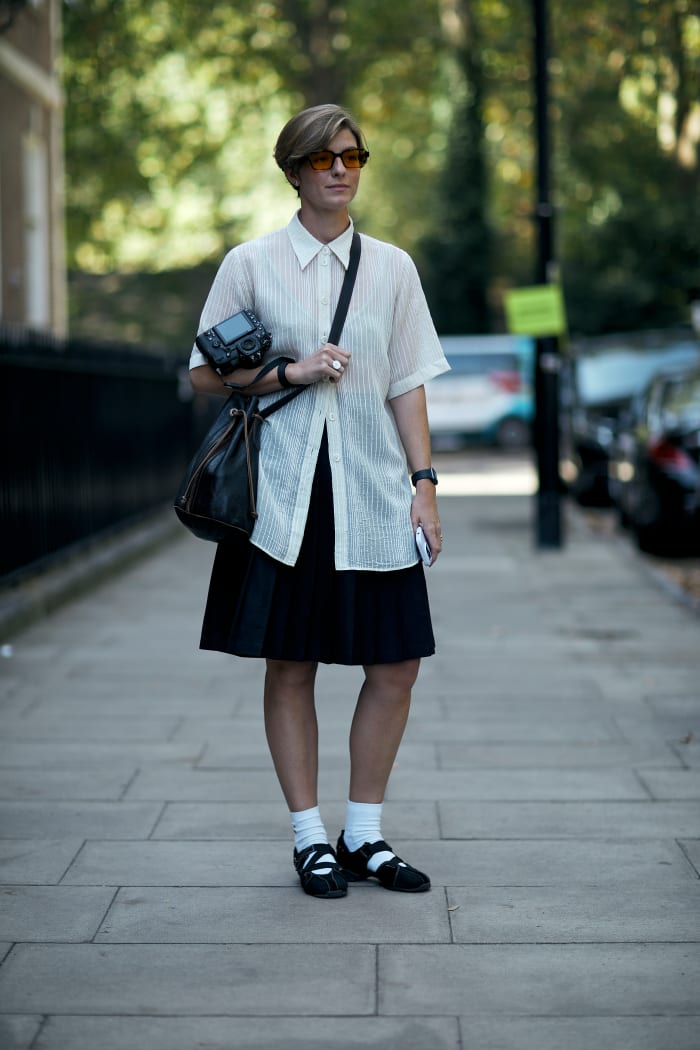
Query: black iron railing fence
(91, 437)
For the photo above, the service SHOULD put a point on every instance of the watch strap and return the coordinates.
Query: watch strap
(429, 474)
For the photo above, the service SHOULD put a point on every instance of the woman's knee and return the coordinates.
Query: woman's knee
(291, 674)
(395, 678)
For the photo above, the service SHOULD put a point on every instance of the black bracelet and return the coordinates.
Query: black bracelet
(281, 374)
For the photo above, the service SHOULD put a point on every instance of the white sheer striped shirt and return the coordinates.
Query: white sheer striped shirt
(292, 282)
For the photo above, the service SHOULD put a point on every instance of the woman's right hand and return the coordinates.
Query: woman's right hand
(319, 366)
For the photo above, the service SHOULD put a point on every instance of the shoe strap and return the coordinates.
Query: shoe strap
(310, 857)
(369, 849)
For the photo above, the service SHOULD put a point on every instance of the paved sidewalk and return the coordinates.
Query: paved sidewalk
(548, 782)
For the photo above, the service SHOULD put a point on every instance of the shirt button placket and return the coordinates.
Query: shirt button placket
(324, 294)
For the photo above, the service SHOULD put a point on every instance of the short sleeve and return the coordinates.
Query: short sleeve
(415, 353)
(229, 293)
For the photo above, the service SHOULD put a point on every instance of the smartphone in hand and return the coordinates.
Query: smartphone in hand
(423, 547)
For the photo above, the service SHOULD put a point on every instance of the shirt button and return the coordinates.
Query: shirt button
(336, 457)
(324, 299)
(332, 418)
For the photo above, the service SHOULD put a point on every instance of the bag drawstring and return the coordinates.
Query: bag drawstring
(246, 438)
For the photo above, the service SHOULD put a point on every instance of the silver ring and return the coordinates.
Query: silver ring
(337, 365)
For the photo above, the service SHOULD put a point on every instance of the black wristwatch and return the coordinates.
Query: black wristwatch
(425, 475)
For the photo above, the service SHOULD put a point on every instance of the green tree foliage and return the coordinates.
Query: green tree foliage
(627, 100)
(458, 250)
(173, 108)
(170, 111)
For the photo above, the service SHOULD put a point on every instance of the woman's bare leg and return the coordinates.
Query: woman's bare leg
(377, 727)
(292, 729)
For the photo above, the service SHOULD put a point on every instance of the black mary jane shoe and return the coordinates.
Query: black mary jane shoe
(328, 880)
(393, 874)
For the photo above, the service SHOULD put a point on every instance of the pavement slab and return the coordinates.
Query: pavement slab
(206, 785)
(52, 913)
(36, 861)
(522, 755)
(517, 726)
(18, 1033)
(73, 755)
(576, 914)
(86, 819)
(194, 980)
(262, 915)
(259, 862)
(540, 979)
(266, 820)
(672, 784)
(98, 727)
(581, 1033)
(692, 851)
(487, 785)
(688, 752)
(103, 783)
(581, 820)
(539, 862)
(245, 1033)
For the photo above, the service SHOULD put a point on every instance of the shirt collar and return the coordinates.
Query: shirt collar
(306, 247)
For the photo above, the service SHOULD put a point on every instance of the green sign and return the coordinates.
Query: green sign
(536, 311)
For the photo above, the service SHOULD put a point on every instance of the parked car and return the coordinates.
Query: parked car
(655, 465)
(487, 396)
(602, 380)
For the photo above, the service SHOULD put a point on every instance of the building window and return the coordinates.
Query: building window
(36, 235)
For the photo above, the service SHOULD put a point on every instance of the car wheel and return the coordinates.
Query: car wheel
(649, 540)
(512, 433)
(591, 490)
(663, 541)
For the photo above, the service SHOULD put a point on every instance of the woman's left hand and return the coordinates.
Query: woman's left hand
(424, 512)
(412, 423)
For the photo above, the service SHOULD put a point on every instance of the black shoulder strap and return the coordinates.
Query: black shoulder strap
(341, 311)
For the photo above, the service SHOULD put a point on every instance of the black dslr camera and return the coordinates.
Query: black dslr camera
(238, 342)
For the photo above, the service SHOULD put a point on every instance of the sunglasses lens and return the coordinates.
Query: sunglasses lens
(321, 161)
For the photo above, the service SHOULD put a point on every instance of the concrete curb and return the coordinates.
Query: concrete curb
(83, 567)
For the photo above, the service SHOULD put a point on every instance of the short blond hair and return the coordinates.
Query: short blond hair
(311, 130)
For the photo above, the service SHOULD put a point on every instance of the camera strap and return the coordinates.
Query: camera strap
(341, 311)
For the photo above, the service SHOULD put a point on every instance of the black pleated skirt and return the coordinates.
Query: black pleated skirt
(259, 607)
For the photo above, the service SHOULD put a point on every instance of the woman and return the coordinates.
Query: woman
(332, 572)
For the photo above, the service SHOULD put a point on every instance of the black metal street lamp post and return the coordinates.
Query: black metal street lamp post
(547, 360)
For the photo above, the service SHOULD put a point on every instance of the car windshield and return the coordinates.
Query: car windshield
(480, 364)
(620, 374)
(681, 403)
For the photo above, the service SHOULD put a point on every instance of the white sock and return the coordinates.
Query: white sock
(309, 830)
(363, 823)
